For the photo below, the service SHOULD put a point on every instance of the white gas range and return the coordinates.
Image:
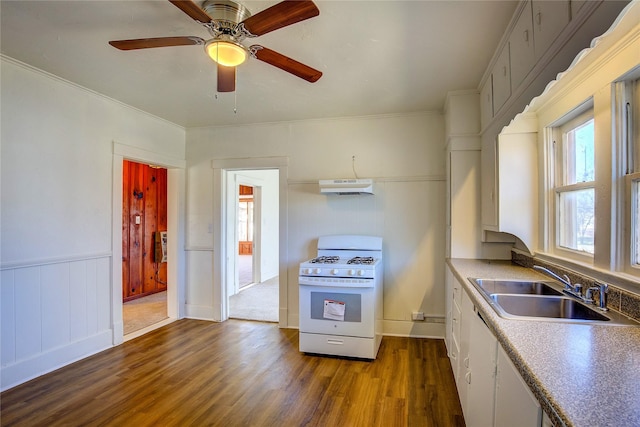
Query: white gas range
(341, 297)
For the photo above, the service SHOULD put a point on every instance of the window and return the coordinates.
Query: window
(575, 184)
(592, 211)
(631, 170)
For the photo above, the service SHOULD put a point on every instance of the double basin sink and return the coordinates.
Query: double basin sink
(540, 300)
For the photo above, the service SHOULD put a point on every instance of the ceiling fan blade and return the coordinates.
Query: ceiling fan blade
(226, 78)
(156, 42)
(193, 10)
(280, 15)
(285, 63)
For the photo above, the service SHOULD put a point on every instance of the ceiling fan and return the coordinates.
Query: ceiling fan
(229, 23)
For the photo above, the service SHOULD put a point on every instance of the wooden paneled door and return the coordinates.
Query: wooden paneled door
(245, 220)
(144, 213)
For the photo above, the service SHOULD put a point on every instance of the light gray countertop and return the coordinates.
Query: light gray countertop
(582, 374)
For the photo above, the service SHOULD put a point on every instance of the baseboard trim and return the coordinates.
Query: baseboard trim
(410, 329)
(25, 370)
(200, 312)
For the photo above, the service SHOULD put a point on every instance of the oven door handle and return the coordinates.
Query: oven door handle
(333, 284)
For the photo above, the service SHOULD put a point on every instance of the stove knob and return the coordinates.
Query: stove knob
(335, 271)
(352, 272)
(360, 272)
(307, 271)
(317, 271)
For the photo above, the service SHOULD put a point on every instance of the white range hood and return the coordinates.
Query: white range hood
(346, 186)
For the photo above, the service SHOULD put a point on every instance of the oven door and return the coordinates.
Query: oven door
(337, 310)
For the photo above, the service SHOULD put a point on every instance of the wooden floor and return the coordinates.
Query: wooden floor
(240, 373)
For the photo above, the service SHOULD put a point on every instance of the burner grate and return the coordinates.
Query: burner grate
(325, 260)
(367, 260)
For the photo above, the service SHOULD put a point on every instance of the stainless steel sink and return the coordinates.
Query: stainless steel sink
(492, 286)
(541, 300)
(556, 307)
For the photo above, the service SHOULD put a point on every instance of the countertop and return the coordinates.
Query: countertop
(582, 375)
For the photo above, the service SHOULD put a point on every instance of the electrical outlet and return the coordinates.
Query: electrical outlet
(417, 315)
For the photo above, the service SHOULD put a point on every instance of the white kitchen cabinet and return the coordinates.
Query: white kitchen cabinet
(476, 377)
(453, 320)
(462, 118)
(515, 404)
(550, 17)
(501, 77)
(486, 103)
(491, 390)
(481, 374)
(521, 49)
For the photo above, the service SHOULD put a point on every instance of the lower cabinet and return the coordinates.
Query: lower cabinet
(515, 404)
(491, 390)
(478, 354)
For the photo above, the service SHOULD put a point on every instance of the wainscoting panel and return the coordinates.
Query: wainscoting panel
(53, 313)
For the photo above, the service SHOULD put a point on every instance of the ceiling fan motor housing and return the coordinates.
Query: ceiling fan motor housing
(226, 15)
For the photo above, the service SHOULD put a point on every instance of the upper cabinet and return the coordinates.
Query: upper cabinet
(549, 18)
(501, 76)
(541, 40)
(523, 56)
(534, 28)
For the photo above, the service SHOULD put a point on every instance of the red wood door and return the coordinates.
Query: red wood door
(144, 213)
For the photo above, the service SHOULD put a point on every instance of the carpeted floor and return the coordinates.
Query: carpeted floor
(143, 312)
(245, 270)
(256, 302)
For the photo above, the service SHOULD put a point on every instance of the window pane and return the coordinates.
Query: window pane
(579, 154)
(576, 220)
(635, 224)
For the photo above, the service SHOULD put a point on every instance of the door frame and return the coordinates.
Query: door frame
(233, 244)
(176, 203)
(220, 246)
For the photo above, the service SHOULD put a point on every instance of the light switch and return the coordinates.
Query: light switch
(138, 219)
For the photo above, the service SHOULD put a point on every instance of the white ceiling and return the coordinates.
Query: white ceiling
(377, 57)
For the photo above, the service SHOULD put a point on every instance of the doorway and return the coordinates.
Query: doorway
(144, 246)
(245, 235)
(253, 239)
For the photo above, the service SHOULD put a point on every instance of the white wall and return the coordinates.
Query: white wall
(404, 154)
(57, 214)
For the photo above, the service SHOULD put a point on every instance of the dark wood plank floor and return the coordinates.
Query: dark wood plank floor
(239, 373)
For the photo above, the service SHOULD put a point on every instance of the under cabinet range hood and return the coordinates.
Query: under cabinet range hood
(346, 186)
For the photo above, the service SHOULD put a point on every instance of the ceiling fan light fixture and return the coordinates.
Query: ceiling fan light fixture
(226, 53)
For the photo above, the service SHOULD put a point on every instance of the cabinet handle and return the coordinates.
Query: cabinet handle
(539, 18)
(526, 35)
(504, 71)
(467, 377)
(466, 362)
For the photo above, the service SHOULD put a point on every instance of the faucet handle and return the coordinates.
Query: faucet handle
(604, 289)
(568, 281)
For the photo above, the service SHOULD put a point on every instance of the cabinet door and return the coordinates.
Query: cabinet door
(448, 279)
(486, 103)
(501, 75)
(464, 375)
(488, 179)
(521, 49)
(482, 368)
(515, 404)
(549, 19)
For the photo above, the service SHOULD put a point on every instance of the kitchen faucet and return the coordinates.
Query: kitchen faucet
(574, 289)
(602, 288)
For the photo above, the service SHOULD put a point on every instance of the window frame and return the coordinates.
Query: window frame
(628, 129)
(558, 186)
